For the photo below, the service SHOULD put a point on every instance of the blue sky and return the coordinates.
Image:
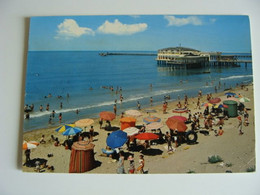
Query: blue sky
(140, 33)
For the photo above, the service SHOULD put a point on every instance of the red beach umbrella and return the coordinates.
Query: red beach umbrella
(106, 115)
(180, 118)
(214, 100)
(174, 124)
(147, 136)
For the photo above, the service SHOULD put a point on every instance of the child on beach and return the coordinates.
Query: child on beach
(42, 141)
(168, 139)
(131, 169)
(164, 107)
(240, 125)
(120, 165)
(141, 164)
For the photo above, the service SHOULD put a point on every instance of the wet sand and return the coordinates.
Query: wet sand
(237, 150)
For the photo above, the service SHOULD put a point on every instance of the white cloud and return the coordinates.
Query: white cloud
(174, 21)
(118, 28)
(69, 28)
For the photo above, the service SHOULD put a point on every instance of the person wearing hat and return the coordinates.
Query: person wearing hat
(131, 169)
(240, 125)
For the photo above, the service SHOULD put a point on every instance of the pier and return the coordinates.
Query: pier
(127, 54)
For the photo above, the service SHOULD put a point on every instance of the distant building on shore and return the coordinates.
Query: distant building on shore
(183, 57)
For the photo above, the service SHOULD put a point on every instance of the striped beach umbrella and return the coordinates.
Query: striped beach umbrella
(154, 125)
(72, 131)
(28, 146)
(81, 157)
(244, 99)
(63, 128)
(151, 119)
(131, 131)
(133, 113)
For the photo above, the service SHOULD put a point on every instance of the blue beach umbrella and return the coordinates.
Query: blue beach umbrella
(72, 131)
(116, 139)
(230, 93)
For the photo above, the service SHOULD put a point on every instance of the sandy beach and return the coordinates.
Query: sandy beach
(236, 150)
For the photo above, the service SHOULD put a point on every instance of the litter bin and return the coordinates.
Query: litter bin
(232, 108)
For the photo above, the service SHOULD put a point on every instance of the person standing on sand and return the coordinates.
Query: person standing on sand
(164, 107)
(27, 155)
(100, 123)
(115, 109)
(138, 105)
(120, 165)
(240, 125)
(141, 164)
(60, 117)
(131, 169)
(91, 133)
(169, 141)
(151, 101)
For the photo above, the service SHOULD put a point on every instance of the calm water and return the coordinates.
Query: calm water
(74, 73)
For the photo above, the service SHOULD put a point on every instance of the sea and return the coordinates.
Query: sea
(82, 80)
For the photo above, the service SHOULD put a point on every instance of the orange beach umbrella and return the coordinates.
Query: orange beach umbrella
(174, 124)
(106, 115)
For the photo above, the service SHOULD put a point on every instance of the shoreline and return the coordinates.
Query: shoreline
(151, 161)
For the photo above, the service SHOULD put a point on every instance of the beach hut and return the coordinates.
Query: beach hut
(82, 157)
(231, 107)
(127, 122)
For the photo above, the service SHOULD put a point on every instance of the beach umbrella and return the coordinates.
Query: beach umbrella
(214, 100)
(230, 93)
(34, 142)
(147, 136)
(174, 124)
(180, 110)
(151, 119)
(106, 115)
(207, 104)
(233, 98)
(154, 125)
(72, 131)
(28, 146)
(180, 118)
(84, 122)
(63, 128)
(116, 139)
(131, 131)
(244, 99)
(134, 113)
